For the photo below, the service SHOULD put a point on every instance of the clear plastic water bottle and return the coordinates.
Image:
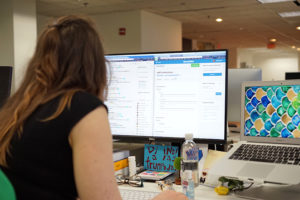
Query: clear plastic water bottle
(190, 192)
(189, 162)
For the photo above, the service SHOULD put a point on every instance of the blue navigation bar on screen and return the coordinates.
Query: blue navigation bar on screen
(179, 61)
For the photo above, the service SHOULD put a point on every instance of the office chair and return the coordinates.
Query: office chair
(7, 191)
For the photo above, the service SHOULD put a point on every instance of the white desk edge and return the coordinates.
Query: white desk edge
(201, 192)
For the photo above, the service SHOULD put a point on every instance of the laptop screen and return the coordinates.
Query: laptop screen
(272, 111)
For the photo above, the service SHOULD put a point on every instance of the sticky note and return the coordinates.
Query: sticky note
(160, 158)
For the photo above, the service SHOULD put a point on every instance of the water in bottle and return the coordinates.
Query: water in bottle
(190, 192)
(189, 154)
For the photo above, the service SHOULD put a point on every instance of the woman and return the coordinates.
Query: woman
(55, 141)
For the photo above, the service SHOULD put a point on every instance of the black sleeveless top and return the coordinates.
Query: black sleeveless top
(40, 165)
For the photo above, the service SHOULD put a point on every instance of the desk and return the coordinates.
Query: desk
(201, 192)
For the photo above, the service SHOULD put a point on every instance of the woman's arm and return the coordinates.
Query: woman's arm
(91, 142)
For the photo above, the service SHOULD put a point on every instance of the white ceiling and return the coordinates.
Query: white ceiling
(247, 23)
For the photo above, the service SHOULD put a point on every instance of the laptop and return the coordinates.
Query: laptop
(269, 147)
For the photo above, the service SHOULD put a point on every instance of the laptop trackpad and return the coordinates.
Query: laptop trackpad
(256, 170)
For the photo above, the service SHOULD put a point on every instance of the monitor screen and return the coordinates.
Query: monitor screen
(235, 79)
(165, 95)
(292, 75)
(5, 83)
(271, 111)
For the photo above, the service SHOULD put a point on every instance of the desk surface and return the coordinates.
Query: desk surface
(201, 192)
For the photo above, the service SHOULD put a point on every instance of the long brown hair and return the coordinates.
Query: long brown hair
(68, 57)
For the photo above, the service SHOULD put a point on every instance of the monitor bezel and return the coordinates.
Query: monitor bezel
(143, 139)
(289, 74)
(7, 70)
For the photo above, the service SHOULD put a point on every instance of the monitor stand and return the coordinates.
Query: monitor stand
(155, 142)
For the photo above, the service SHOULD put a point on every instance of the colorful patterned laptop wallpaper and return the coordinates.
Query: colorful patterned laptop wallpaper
(272, 111)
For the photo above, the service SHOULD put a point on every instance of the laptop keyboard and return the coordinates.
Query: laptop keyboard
(267, 153)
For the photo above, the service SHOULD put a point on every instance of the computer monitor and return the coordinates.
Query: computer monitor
(165, 95)
(292, 75)
(235, 79)
(5, 83)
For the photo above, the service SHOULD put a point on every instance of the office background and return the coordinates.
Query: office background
(164, 25)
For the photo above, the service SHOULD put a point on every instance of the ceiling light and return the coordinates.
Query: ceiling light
(272, 1)
(273, 40)
(298, 49)
(293, 47)
(298, 28)
(219, 19)
(290, 14)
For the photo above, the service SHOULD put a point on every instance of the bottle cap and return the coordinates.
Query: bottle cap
(189, 136)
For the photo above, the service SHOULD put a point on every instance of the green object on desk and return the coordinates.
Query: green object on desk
(232, 184)
(177, 164)
(7, 191)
